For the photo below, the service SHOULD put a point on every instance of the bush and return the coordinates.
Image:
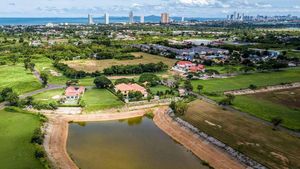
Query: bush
(39, 152)
(253, 87)
(38, 137)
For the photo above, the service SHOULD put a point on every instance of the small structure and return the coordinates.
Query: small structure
(126, 88)
(74, 93)
(182, 92)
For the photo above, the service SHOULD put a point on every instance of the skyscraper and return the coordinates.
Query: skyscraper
(165, 19)
(142, 20)
(106, 18)
(131, 17)
(182, 19)
(90, 19)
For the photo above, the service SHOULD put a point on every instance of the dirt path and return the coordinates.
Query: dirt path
(264, 89)
(204, 150)
(57, 133)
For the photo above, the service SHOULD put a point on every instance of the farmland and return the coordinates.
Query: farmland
(275, 149)
(284, 104)
(100, 65)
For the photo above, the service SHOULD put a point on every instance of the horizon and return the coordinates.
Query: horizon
(185, 8)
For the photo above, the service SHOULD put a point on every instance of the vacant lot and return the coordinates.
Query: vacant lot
(274, 149)
(243, 81)
(49, 96)
(20, 80)
(99, 99)
(99, 65)
(16, 151)
(284, 104)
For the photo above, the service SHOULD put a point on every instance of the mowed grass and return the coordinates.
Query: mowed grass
(17, 78)
(89, 65)
(99, 99)
(283, 104)
(16, 151)
(275, 149)
(243, 81)
(49, 96)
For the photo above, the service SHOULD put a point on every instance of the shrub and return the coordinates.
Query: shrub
(253, 87)
(38, 137)
(39, 152)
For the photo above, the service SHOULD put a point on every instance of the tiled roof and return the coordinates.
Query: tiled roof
(130, 87)
(73, 91)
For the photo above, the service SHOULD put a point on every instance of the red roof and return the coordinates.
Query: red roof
(184, 63)
(130, 87)
(196, 68)
(74, 91)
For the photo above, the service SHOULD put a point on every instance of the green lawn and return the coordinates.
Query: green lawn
(99, 99)
(20, 80)
(243, 81)
(16, 151)
(266, 109)
(159, 88)
(49, 96)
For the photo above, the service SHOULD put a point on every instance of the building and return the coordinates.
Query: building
(165, 19)
(142, 19)
(126, 88)
(74, 93)
(131, 20)
(106, 18)
(90, 19)
(187, 66)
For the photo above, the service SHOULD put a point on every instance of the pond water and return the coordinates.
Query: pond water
(127, 144)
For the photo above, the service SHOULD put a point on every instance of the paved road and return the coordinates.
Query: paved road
(229, 108)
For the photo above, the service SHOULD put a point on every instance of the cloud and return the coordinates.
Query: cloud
(11, 4)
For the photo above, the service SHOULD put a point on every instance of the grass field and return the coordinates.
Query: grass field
(20, 80)
(243, 81)
(99, 99)
(99, 65)
(49, 96)
(16, 151)
(284, 104)
(275, 149)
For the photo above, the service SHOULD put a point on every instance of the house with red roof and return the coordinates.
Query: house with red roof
(126, 88)
(74, 93)
(187, 66)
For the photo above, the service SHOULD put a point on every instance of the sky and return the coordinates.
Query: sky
(186, 8)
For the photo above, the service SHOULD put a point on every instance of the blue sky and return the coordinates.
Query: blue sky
(187, 8)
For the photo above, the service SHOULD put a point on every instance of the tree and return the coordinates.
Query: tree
(200, 88)
(276, 121)
(135, 95)
(102, 82)
(13, 99)
(31, 66)
(14, 59)
(228, 100)
(44, 77)
(229, 69)
(247, 69)
(188, 85)
(29, 100)
(149, 78)
(179, 107)
(5, 92)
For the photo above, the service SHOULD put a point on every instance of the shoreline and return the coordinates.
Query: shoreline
(56, 137)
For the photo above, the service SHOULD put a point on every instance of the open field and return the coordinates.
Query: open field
(20, 80)
(16, 151)
(99, 65)
(284, 104)
(243, 81)
(49, 96)
(274, 149)
(98, 99)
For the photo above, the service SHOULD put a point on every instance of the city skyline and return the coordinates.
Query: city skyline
(186, 8)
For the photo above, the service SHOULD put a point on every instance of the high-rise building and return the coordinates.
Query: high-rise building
(142, 20)
(106, 18)
(90, 19)
(131, 17)
(165, 18)
(182, 19)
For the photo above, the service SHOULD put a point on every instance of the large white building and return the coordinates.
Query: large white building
(131, 17)
(165, 19)
(106, 18)
(90, 19)
(142, 19)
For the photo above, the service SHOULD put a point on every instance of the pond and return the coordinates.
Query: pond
(127, 144)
